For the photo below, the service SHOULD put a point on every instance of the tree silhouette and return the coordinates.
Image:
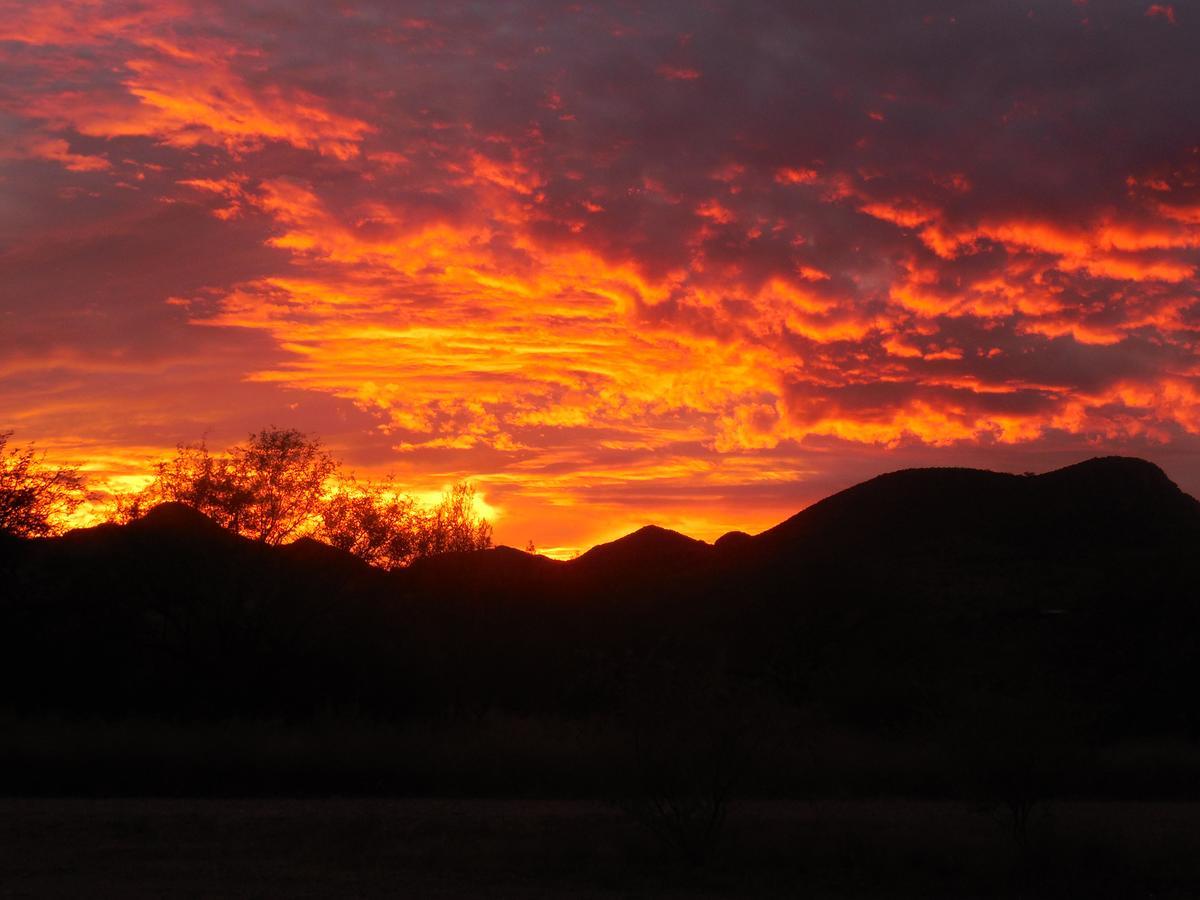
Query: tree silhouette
(367, 520)
(282, 484)
(282, 474)
(453, 526)
(269, 489)
(391, 530)
(34, 497)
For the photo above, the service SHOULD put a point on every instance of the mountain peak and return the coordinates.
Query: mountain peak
(1115, 469)
(656, 533)
(731, 539)
(179, 521)
(649, 545)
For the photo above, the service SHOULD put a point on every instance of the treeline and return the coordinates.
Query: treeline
(276, 487)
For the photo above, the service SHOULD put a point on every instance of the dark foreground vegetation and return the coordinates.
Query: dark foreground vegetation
(453, 848)
(1014, 658)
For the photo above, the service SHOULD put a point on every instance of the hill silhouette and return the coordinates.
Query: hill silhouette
(650, 547)
(889, 605)
(1105, 502)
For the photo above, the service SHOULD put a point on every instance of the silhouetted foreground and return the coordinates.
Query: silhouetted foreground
(939, 633)
(152, 848)
(890, 606)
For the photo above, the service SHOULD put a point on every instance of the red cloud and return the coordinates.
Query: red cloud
(677, 73)
(1162, 10)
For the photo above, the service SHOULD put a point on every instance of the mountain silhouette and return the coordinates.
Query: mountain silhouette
(649, 550)
(177, 519)
(648, 543)
(889, 605)
(1105, 502)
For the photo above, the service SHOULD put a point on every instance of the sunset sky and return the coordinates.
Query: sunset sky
(693, 263)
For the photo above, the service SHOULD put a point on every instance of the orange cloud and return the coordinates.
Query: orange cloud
(181, 92)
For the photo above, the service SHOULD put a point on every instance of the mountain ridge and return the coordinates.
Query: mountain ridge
(908, 589)
(888, 490)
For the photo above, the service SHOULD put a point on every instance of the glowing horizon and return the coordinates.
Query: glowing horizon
(696, 265)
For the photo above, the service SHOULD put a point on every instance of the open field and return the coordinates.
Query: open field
(68, 847)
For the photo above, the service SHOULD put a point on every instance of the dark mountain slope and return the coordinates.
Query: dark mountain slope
(172, 612)
(911, 595)
(1116, 500)
(1094, 506)
(649, 548)
(890, 604)
(493, 568)
(175, 520)
(506, 575)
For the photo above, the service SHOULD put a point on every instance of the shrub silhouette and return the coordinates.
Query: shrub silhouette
(1016, 755)
(690, 741)
(34, 497)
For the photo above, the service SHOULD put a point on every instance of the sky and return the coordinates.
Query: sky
(692, 263)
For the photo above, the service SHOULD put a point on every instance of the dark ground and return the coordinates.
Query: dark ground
(68, 847)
